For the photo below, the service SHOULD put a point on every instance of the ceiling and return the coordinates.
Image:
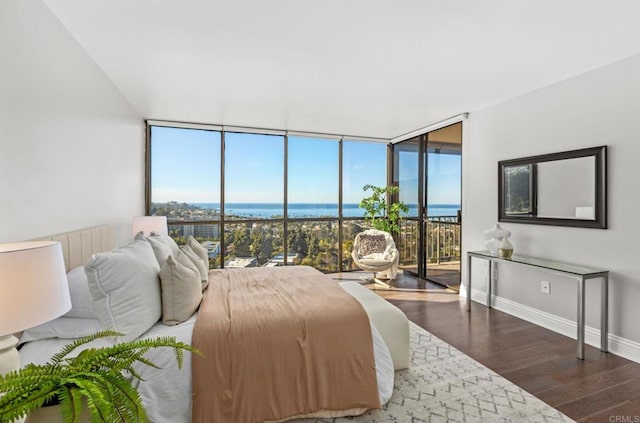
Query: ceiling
(348, 67)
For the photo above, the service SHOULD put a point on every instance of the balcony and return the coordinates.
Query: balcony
(441, 246)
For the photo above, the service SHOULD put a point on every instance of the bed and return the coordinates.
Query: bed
(167, 394)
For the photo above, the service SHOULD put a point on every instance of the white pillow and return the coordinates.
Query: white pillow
(168, 241)
(125, 288)
(197, 261)
(199, 249)
(160, 249)
(81, 306)
(181, 289)
(62, 327)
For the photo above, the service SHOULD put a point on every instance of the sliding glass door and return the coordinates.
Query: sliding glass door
(428, 170)
(407, 175)
(443, 198)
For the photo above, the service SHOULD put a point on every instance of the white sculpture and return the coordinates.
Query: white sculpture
(495, 236)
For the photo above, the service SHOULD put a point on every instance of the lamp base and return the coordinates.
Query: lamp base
(9, 358)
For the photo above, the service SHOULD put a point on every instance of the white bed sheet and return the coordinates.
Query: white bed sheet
(166, 393)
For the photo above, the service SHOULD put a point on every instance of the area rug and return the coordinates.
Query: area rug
(443, 384)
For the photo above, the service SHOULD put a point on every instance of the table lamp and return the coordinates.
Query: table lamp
(148, 224)
(33, 290)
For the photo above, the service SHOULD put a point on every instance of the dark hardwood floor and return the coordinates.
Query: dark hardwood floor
(601, 388)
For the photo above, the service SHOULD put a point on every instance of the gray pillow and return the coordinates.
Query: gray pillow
(166, 240)
(200, 250)
(160, 249)
(81, 301)
(125, 288)
(181, 289)
(197, 261)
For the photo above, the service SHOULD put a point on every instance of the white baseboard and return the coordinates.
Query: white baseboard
(617, 345)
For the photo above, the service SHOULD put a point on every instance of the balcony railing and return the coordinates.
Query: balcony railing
(442, 241)
(324, 243)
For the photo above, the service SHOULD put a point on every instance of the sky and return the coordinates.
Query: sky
(185, 167)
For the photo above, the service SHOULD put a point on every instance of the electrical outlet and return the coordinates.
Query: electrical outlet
(545, 287)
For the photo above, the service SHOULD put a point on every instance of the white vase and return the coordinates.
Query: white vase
(495, 236)
(505, 250)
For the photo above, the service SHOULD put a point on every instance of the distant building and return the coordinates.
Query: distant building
(241, 262)
(213, 248)
(278, 260)
(201, 231)
(206, 231)
(187, 230)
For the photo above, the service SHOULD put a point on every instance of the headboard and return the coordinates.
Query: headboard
(78, 246)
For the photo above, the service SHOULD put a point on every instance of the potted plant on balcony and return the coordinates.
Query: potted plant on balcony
(96, 382)
(383, 216)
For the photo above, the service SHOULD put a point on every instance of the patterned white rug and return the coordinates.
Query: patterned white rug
(444, 385)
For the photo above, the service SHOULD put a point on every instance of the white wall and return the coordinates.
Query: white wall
(71, 146)
(597, 108)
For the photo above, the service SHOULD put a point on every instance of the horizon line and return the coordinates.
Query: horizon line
(278, 203)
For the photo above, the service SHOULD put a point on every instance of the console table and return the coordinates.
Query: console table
(579, 273)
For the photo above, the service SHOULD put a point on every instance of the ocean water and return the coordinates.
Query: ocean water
(267, 210)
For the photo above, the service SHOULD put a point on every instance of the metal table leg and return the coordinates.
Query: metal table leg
(604, 314)
(489, 283)
(469, 282)
(580, 320)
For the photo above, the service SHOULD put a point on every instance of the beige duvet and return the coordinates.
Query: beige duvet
(279, 343)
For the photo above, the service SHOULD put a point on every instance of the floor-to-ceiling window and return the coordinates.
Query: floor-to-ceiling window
(262, 199)
(312, 201)
(362, 163)
(253, 198)
(184, 165)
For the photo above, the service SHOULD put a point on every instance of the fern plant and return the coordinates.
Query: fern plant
(378, 213)
(99, 377)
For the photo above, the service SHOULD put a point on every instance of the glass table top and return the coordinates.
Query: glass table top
(543, 263)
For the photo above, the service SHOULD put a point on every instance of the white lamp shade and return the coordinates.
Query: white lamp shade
(33, 285)
(148, 224)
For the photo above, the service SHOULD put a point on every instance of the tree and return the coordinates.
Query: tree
(242, 242)
(298, 241)
(307, 261)
(262, 245)
(380, 215)
(314, 247)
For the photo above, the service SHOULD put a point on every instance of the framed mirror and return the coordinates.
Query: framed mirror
(562, 189)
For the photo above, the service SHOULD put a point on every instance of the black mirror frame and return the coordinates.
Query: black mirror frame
(600, 221)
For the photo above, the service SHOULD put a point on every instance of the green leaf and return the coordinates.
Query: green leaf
(378, 213)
